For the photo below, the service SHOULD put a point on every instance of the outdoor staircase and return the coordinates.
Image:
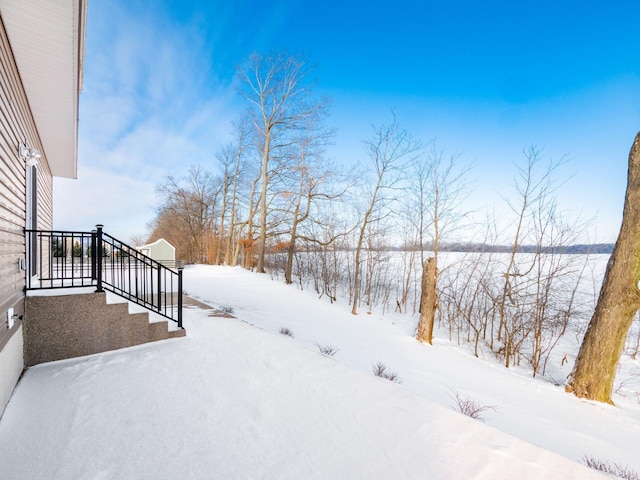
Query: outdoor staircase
(68, 276)
(68, 326)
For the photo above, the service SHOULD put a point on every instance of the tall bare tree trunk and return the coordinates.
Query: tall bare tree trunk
(264, 175)
(356, 274)
(428, 302)
(223, 213)
(291, 249)
(296, 220)
(229, 258)
(594, 371)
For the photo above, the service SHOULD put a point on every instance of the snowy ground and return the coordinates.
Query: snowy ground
(231, 401)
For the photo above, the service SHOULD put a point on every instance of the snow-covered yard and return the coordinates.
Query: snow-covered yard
(231, 401)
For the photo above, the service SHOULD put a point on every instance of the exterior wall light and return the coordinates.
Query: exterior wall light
(29, 155)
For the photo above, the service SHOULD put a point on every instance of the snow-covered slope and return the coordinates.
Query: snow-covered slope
(231, 401)
(534, 410)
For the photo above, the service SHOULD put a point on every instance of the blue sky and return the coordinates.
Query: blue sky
(484, 79)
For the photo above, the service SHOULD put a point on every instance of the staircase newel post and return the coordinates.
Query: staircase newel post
(180, 268)
(94, 270)
(159, 267)
(98, 258)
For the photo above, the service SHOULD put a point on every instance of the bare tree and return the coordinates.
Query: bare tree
(242, 133)
(595, 368)
(438, 188)
(170, 225)
(279, 93)
(138, 240)
(245, 241)
(555, 280)
(446, 197)
(226, 159)
(386, 148)
(307, 192)
(188, 206)
(532, 189)
(519, 303)
(311, 176)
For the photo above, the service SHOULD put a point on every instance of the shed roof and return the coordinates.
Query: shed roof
(160, 241)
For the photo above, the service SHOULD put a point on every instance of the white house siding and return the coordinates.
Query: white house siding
(17, 125)
(11, 366)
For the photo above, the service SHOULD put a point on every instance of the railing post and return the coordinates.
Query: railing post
(94, 270)
(180, 268)
(98, 259)
(159, 286)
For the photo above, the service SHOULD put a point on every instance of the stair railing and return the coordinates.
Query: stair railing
(65, 259)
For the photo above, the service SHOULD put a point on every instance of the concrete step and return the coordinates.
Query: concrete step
(68, 326)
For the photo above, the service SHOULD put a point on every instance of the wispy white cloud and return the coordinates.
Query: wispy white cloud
(123, 204)
(151, 107)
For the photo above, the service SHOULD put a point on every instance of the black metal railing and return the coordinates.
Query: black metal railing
(64, 259)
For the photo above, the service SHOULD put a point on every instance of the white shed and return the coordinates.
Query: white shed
(161, 251)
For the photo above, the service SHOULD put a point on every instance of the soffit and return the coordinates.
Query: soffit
(47, 40)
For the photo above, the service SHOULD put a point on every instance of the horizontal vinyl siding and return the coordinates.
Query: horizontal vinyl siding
(16, 126)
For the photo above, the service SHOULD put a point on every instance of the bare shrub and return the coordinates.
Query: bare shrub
(470, 406)
(327, 349)
(620, 471)
(227, 309)
(286, 331)
(380, 370)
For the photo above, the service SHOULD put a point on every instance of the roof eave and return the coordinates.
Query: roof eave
(48, 42)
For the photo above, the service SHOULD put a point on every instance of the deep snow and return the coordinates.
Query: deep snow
(234, 401)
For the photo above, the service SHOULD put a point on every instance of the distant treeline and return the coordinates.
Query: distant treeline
(581, 249)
